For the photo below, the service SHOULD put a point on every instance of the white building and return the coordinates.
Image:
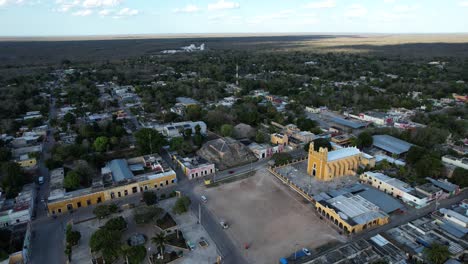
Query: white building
(395, 188)
(455, 217)
(176, 129)
(20, 209)
(461, 162)
(262, 151)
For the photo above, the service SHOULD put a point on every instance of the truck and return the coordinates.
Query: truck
(295, 256)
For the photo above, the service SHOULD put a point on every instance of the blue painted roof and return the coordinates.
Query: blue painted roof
(120, 170)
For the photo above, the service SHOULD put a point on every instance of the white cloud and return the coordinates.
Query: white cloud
(105, 12)
(355, 11)
(65, 6)
(12, 2)
(321, 4)
(127, 12)
(83, 12)
(405, 8)
(187, 9)
(100, 3)
(222, 4)
(463, 3)
(389, 1)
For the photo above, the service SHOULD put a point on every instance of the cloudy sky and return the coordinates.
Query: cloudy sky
(98, 17)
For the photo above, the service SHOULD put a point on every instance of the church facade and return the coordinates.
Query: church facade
(326, 165)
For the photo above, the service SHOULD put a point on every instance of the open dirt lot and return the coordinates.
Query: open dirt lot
(268, 216)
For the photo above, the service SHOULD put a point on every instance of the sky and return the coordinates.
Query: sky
(112, 17)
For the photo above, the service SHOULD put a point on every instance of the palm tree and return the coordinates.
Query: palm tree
(125, 249)
(160, 240)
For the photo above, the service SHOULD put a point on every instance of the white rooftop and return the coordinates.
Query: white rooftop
(357, 208)
(343, 153)
(403, 186)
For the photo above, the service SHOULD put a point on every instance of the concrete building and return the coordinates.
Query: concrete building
(194, 167)
(19, 210)
(458, 162)
(279, 139)
(262, 151)
(396, 188)
(351, 213)
(118, 178)
(455, 217)
(325, 165)
(304, 136)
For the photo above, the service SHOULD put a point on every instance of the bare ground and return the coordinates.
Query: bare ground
(267, 215)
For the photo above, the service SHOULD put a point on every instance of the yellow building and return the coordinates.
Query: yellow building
(351, 213)
(123, 179)
(279, 139)
(26, 162)
(326, 165)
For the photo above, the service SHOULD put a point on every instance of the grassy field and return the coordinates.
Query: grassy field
(44, 51)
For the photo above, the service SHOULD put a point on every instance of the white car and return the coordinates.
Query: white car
(204, 199)
(306, 251)
(224, 224)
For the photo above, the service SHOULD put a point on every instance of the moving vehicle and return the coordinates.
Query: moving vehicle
(40, 180)
(204, 199)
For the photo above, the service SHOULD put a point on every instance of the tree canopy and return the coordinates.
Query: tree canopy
(149, 141)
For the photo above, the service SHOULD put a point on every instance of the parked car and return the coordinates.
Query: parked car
(190, 245)
(40, 180)
(224, 224)
(204, 199)
(306, 251)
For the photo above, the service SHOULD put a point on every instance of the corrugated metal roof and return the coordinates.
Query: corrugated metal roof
(391, 144)
(384, 201)
(120, 170)
(348, 123)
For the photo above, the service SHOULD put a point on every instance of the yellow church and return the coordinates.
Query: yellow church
(326, 165)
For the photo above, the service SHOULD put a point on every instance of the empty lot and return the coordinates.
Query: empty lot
(268, 216)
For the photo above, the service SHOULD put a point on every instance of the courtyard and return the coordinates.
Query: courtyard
(297, 174)
(267, 216)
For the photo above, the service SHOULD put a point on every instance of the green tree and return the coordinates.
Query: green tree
(364, 140)
(306, 124)
(150, 198)
(260, 137)
(107, 242)
(414, 154)
(437, 253)
(460, 177)
(188, 133)
(149, 141)
(176, 143)
(136, 254)
(198, 139)
(116, 223)
(101, 144)
(194, 112)
(181, 206)
(69, 118)
(160, 241)
(281, 158)
(322, 143)
(105, 210)
(11, 179)
(72, 237)
(5, 154)
(226, 130)
(71, 181)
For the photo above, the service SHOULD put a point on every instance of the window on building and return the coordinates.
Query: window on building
(99, 199)
(125, 192)
(172, 181)
(88, 202)
(59, 210)
(146, 187)
(118, 194)
(161, 184)
(134, 190)
(78, 204)
(53, 211)
(167, 182)
(17, 220)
